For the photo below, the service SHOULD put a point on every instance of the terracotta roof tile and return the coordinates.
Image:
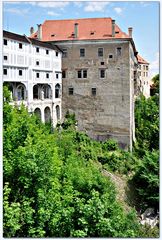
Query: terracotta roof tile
(90, 28)
(141, 60)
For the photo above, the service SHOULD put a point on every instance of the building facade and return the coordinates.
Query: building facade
(98, 70)
(32, 70)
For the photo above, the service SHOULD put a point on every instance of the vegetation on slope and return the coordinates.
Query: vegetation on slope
(53, 181)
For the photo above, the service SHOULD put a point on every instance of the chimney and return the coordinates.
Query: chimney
(76, 30)
(31, 30)
(113, 28)
(130, 29)
(39, 34)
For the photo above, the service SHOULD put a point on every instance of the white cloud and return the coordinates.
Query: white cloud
(154, 65)
(78, 4)
(118, 10)
(144, 4)
(17, 11)
(51, 13)
(95, 6)
(56, 4)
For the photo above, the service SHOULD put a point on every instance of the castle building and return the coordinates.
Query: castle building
(143, 77)
(32, 70)
(99, 67)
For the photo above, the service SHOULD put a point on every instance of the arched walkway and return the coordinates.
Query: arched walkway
(37, 112)
(47, 92)
(58, 112)
(47, 114)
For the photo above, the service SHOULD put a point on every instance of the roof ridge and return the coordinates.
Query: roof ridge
(71, 19)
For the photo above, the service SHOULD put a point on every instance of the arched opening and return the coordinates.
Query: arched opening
(37, 112)
(57, 91)
(36, 92)
(20, 92)
(58, 112)
(47, 91)
(47, 114)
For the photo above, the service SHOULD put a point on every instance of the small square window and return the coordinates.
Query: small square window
(5, 58)
(64, 54)
(102, 73)
(47, 51)
(71, 91)
(37, 49)
(5, 42)
(119, 51)
(20, 72)
(82, 52)
(20, 45)
(110, 56)
(102, 63)
(100, 52)
(93, 91)
(57, 75)
(63, 74)
(37, 63)
(47, 75)
(56, 54)
(5, 71)
(37, 75)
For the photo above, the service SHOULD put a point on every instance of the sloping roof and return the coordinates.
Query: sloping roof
(141, 60)
(88, 29)
(24, 38)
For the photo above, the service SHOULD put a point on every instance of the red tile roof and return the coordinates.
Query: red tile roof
(88, 29)
(141, 60)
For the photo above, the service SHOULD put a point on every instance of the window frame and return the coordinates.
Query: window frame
(47, 75)
(5, 56)
(100, 73)
(47, 52)
(118, 51)
(37, 75)
(99, 52)
(82, 73)
(20, 71)
(37, 49)
(64, 75)
(93, 91)
(5, 72)
(71, 91)
(5, 42)
(20, 44)
(82, 52)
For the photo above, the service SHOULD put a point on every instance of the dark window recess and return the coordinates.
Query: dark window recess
(110, 56)
(84, 73)
(71, 91)
(102, 63)
(93, 91)
(64, 54)
(56, 54)
(79, 74)
(47, 75)
(119, 51)
(102, 73)
(20, 72)
(63, 74)
(37, 75)
(100, 52)
(5, 71)
(57, 76)
(82, 52)
(47, 52)
(37, 63)
(5, 58)
(20, 45)
(37, 49)
(5, 42)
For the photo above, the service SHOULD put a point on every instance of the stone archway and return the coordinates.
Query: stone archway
(47, 91)
(47, 115)
(37, 112)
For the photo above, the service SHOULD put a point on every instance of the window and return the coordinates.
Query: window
(82, 52)
(100, 52)
(37, 63)
(63, 74)
(47, 75)
(64, 54)
(71, 91)
(82, 73)
(110, 56)
(57, 91)
(47, 52)
(56, 54)
(119, 51)
(146, 67)
(102, 63)
(5, 58)
(20, 45)
(37, 75)
(5, 71)
(20, 72)
(5, 42)
(140, 67)
(93, 91)
(37, 49)
(102, 73)
(57, 75)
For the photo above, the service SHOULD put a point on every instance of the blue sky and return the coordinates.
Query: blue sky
(143, 16)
